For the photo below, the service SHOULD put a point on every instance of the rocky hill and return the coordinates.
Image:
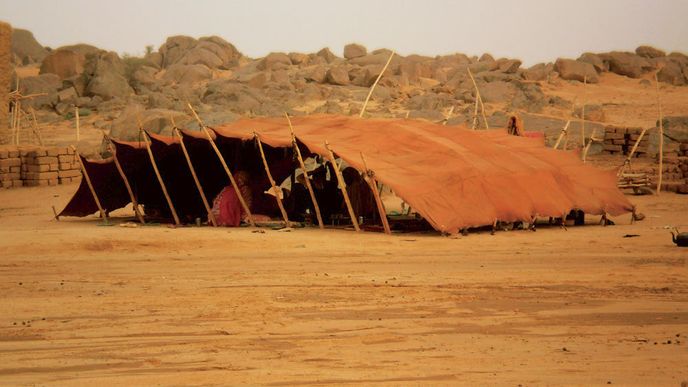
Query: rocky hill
(223, 84)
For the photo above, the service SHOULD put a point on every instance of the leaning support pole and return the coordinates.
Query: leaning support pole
(195, 178)
(372, 88)
(134, 202)
(562, 134)
(370, 179)
(305, 174)
(661, 136)
(157, 174)
(224, 165)
(90, 185)
(478, 97)
(627, 161)
(342, 186)
(589, 144)
(277, 191)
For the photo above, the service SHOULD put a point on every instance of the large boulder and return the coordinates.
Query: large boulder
(337, 75)
(109, 86)
(212, 51)
(573, 70)
(354, 50)
(26, 48)
(159, 121)
(595, 61)
(234, 96)
(497, 91)
(327, 55)
(187, 74)
(626, 63)
(538, 72)
(63, 63)
(274, 61)
(81, 48)
(671, 72)
(316, 73)
(509, 66)
(47, 84)
(649, 52)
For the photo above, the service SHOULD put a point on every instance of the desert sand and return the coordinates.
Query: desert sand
(90, 304)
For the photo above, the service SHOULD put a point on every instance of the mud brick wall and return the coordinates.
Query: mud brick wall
(5, 75)
(21, 166)
(675, 167)
(620, 140)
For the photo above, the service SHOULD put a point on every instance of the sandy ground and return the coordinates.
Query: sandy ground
(89, 304)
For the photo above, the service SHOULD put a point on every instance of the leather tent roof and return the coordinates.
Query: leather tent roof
(454, 177)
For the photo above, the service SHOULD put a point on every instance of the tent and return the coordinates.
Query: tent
(453, 177)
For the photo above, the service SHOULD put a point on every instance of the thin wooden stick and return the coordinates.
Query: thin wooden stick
(372, 88)
(627, 161)
(477, 95)
(36, 128)
(78, 129)
(134, 202)
(342, 187)
(305, 174)
(146, 140)
(17, 122)
(587, 147)
(475, 114)
(277, 191)
(211, 216)
(224, 165)
(90, 185)
(561, 134)
(448, 116)
(372, 182)
(582, 121)
(661, 136)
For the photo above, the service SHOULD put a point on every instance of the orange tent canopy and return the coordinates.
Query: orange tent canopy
(453, 177)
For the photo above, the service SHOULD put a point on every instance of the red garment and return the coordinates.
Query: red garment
(227, 208)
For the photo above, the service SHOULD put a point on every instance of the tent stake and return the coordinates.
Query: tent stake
(224, 165)
(211, 216)
(90, 185)
(276, 191)
(134, 202)
(372, 182)
(157, 174)
(305, 174)
(342, 187)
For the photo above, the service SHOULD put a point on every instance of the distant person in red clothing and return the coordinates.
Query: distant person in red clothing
(227, 207)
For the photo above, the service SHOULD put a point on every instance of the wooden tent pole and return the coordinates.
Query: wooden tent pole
(479, 98)
(627, 161)
(277, 191)
(224, 165)
(561, 134)
(661, 136)
(305, 174)
(589, 144)
(372, 182)
(195, 177)
(157, 174)
(78, 129)
(90, 184)
(582, 121)
(372, 88)
(342, 186)
(134, 202)
(36, 128)
(17, 123)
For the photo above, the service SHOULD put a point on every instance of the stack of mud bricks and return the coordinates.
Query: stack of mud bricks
(48, 166)
(675, 167)
(620, 141)
(10, 167)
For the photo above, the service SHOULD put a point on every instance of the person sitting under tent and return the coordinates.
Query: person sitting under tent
(227, 207)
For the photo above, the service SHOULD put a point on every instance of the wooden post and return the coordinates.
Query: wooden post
(477, 95)
(372, 88)
(475, 114)
(661, 136)
(198, 183)
(587, 147)
(561, 134)
(78, 129)
(157, 174)
(277, 191)
(17, 121)
(370, 178)
(305, 174)
(627, 161)
(582, 121)
(342, 187)
(226, 168)
(90, 185)
(36, 129)
(134, 202)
